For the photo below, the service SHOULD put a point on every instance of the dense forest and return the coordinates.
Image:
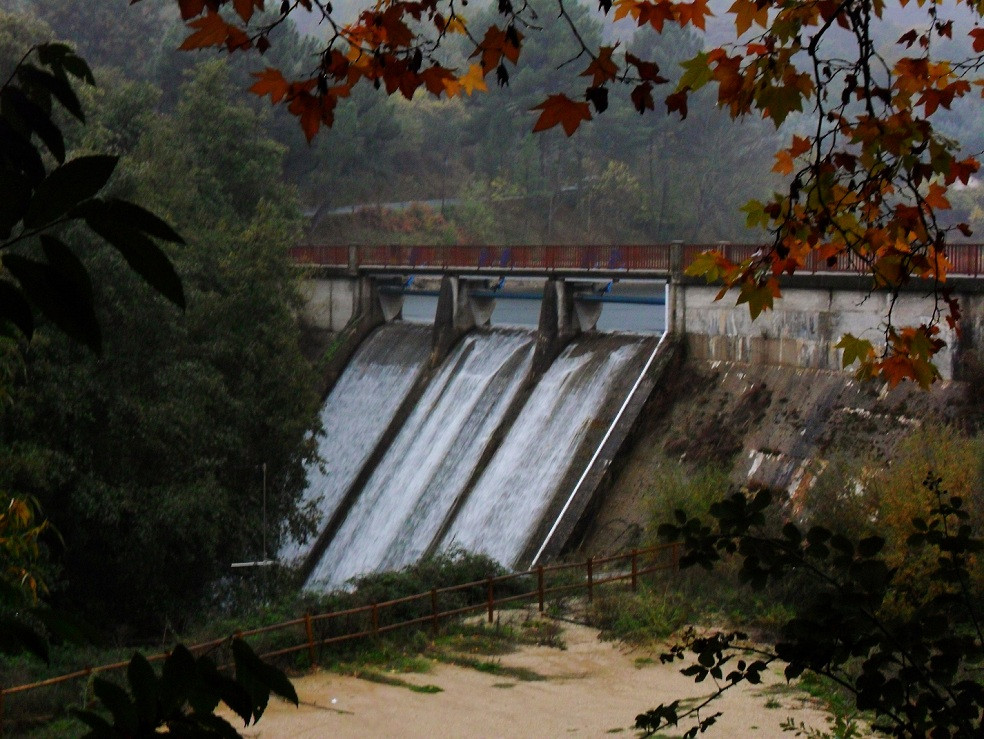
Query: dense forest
(148, 458)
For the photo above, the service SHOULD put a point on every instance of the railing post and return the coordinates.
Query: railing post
(375, 620)
(590, 564)
(434, 621)
(310, 637)
(635, 568)
(353, 259)
(539, 585)
(491, 601)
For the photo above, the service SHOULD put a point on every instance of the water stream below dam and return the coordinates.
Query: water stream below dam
(508, 501)
(357, 413)
(479, 459)
(411, 492)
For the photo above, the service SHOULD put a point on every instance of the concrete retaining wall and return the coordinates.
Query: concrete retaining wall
(807, 323)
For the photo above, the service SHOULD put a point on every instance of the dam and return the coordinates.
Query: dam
(483, 411)
(473, 449)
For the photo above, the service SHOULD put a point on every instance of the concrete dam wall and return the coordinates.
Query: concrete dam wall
(479, 450)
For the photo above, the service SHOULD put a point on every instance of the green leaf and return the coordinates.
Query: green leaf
(67, 186)
(275, 680)
(14, 104)
(67, 264)
(144, 686)
(758, 297)
(100, 726)
(33, 79)
(19, 154)
(855, 349)
(57, 294)
(179, 678)
(62, 58)
(15, 308)
(143, 255)
(15, 196)
(780, 101)
(696, 73)
(118, 702)
(143, 220)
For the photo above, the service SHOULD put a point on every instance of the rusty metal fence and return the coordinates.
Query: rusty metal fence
(313, 633)
(965, 259)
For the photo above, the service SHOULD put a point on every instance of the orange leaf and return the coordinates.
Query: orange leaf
(936, 197)
(436, 78)
(473, 80)
(602, 69)
(211, 31)
(694, 13)
(270, 82)
(784, 162)
(800, 145)
(747, 12)
(560, 109)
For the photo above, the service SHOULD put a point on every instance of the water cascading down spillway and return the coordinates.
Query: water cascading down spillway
(505, 508)
(405, 502)
(357, 413)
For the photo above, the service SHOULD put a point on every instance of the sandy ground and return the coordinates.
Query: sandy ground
(592, 689)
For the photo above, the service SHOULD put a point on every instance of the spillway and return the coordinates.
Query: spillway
(356, 414)
(505, 507)
(404, 504)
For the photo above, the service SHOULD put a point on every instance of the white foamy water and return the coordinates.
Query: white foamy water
(503, 510)
(405, 502)
(356, 414)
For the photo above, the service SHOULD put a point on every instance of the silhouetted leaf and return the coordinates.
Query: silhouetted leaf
(67, 186)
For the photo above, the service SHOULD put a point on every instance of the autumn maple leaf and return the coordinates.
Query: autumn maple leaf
(561, 110)
(473, 79)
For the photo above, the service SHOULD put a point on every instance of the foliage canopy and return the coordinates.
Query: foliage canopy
(869, 172)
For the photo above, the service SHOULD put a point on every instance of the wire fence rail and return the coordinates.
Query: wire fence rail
(965, 259)
(312, 633)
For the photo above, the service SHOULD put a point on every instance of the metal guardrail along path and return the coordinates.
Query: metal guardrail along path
(570, 578)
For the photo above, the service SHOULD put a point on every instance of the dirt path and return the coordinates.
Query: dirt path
(591, 689)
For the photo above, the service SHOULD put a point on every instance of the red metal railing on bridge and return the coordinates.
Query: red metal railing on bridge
(966, 259)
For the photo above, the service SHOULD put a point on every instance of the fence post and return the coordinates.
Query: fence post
(491, 602)
(635, 568)
(590, 564)
(434, 607)
(539, 585)
(375, 620)
(310, 637)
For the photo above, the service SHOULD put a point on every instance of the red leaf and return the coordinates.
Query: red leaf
(244, 8)
(560, 109)
(677, 101)
(211, 31)
(978, 35)
(642, 97)
(602, 69)
(191, 8)
(648, 71)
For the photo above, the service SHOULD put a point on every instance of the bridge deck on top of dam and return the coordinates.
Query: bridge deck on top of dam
(641, 261)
